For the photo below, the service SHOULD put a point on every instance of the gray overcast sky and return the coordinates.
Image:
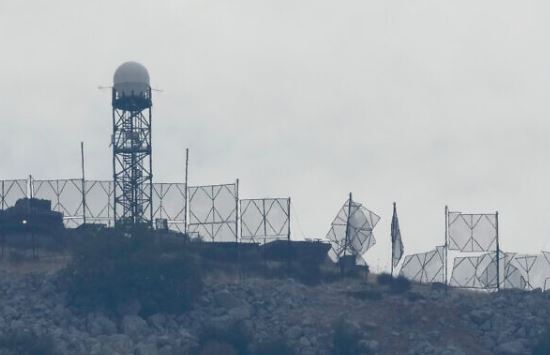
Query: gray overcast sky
(423, 102)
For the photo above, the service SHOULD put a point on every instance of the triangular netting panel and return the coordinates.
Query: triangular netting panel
(264, 220)
(355, 237)
(425, 267)
(169, 203)
(99, 202)
(472, 232)
(66, 197)
(11, 191)
(213, 212)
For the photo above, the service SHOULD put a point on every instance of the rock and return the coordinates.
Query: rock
(99, 324)
(226, 299)
(240, 313)
(116, 344)
(145, 349)
(514, 347)
(479, 316)
(158, 321)
(130, 308)
(294, 332)
(134, 326)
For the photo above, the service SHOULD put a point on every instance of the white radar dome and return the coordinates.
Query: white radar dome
(131, 79)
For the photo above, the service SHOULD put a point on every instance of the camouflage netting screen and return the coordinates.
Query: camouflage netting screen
(358, 222)
(169, 202)
(535, 270)
(472, 232)
(99, 202)
(65, 195)
(425, 267)
(264, 220)
(480, 271)
(213, 212)
(12, 190)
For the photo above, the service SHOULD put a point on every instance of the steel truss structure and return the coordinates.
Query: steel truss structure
(351, 231)
(132, 158)
(425, 267)
(213, 212)
(265, 219)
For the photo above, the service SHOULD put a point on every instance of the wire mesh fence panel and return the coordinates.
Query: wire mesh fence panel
(65, 195)
(264, 220)
(480, 271)
(351, 231)
(472, 232)
(425, 267)
(169, 203)
(99, 202)
(535, 269)
(12, 190)
(213, 212)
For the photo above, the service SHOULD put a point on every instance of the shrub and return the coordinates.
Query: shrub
(276, 346)
(17, 257)
(110, 269)
(384, 279)
(345, 340)
(26, 343)
(543, 345)
(216, 348)
(372, 295)
(400, 285)
(234, 336)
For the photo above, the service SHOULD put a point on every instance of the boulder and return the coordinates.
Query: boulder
(134, 326)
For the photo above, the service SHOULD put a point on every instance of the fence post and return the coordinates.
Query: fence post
(83, 184)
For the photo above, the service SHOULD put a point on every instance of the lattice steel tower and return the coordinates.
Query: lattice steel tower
(131, 140)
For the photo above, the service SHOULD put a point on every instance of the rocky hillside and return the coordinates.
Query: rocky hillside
(419, 321)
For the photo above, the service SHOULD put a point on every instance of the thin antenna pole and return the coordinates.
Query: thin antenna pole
(288, 211)
(346, 240)
(264, 216)
(83, 184)
(237, 211)
(186, 188)
(392, 239)
(446, 246)
(498, 253)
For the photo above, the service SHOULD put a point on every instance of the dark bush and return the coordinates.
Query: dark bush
(234, 336)
(345, 340)
(111, 268)
(26, 343)
(276, 346)
(543, 345)
(384, 279)
(216, 348)
(400, 285)
(372, 295)
(17, 257)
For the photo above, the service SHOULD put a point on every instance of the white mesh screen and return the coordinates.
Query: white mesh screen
(472, 232)
(359, 231)
(65, 195)
(425, 267)
(264, 220)
(213, 212)
(12, 190)
(99, 202)
(169, 203)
